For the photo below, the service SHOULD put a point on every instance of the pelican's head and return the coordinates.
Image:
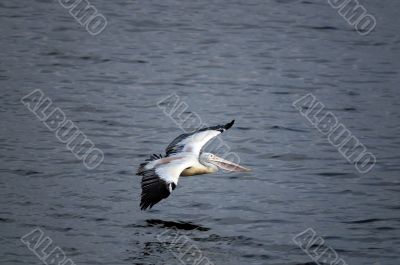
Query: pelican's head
(215, 162)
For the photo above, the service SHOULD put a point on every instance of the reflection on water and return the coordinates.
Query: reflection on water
(240, 60)
(177, 225)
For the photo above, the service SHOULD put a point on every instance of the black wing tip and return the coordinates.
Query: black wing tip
(229, 125)
(145, 206)
(220, 128)
(147, 203)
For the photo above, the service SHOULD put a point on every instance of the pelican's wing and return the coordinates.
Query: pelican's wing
(161, 177)
(194, 142)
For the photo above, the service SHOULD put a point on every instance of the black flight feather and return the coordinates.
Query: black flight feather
(154, 189)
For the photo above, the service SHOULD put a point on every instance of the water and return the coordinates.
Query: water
(243, 60)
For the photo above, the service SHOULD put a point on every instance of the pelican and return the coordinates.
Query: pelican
(184, 157)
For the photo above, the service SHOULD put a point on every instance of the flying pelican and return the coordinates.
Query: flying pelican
(184, 157)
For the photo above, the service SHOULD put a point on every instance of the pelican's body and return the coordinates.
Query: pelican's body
(183, 158)
(198, 169)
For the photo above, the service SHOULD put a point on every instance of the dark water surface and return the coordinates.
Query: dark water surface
(247, 60)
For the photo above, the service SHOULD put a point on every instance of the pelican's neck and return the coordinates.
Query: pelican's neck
(211, 168)
(200, 169)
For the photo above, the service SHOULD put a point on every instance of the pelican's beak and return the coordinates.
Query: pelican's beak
(227, 165)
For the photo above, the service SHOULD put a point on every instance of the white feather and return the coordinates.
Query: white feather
(171, 171)
(195, 142)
